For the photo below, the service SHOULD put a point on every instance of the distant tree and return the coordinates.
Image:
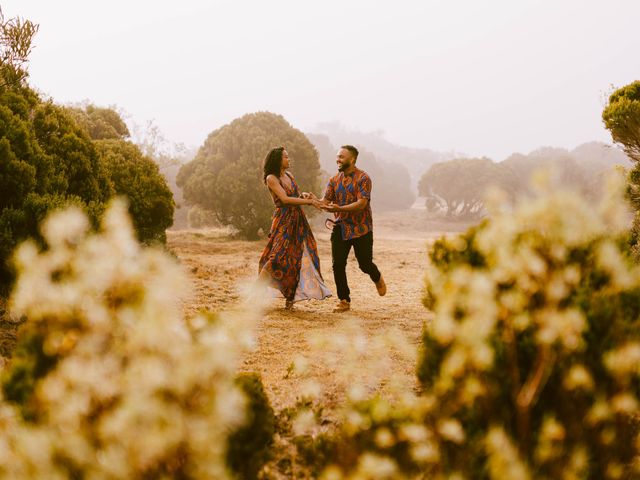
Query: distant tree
(169, 156)
(391, 182)
(457, 187)
(597, 160)
(599, 157)
(566, 169)
(450, 185)
(621, 116)
(16, 43)
(226, 174)
(326, 153)
(416, 160)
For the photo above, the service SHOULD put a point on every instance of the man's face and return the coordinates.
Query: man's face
(344, 159)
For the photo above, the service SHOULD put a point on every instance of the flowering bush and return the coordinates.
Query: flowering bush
(118, 384)
(530, 367)
(534, 350)
(249, 445)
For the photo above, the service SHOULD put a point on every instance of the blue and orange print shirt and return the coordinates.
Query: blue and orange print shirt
(345, 189)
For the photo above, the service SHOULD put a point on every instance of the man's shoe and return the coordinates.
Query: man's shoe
(381, 286)
(342, 306)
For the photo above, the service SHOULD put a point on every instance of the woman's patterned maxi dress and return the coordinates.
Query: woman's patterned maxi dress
(291, 256)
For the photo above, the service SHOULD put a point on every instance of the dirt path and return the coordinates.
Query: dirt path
(373, 346)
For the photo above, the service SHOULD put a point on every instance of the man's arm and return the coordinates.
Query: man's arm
(356, 206)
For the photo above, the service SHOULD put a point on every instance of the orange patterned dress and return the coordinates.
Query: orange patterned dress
(291, 255)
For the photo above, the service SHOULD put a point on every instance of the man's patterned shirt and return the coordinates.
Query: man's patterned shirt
(345, 189)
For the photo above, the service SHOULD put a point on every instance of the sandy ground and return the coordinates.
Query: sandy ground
(311, 350)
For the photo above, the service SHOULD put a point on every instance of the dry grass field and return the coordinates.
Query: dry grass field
(311, 352)
(378, 339)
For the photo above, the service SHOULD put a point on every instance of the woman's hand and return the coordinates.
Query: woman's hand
(330, 207)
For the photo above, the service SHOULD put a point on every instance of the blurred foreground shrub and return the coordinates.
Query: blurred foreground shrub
(249, 445)
(110, 380)
(531, 365)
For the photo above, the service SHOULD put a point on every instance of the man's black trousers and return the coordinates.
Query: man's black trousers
(363, 248)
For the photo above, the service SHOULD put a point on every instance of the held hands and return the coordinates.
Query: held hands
(330, 207)
(314, 200)
(321, 204)
(317, 203)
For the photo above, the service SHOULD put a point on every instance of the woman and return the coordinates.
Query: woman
(290, 260)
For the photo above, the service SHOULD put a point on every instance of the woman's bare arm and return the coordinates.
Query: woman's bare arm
(275, 186)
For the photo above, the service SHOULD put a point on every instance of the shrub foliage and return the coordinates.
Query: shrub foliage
(225, 177)
(621, 117)
(249, 445)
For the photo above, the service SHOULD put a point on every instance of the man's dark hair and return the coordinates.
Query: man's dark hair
(352, 149)
(272, 163)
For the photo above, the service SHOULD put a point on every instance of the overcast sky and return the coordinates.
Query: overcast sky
(487, 77)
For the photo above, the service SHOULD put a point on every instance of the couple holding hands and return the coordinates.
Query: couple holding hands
(290, 260)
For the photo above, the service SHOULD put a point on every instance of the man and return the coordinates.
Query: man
(348, 196)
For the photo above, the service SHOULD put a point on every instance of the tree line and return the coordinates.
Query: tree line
(457, 188)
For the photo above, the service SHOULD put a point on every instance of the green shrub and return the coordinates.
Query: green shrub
(377, 429)
(225, 177)
(48, 163)
(132, 174)
(29, 364)
(138, 178)
(536, 320)
(313, 452)
(621, 116)
(248, 446)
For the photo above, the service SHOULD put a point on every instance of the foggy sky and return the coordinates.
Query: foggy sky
(485, 77)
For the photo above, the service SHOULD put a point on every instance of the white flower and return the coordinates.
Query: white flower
(451, 430)
(578, 377)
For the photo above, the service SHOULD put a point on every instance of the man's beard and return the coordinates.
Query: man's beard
(342, 167)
